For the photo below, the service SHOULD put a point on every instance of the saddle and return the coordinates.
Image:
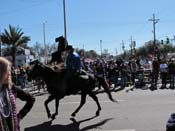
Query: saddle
(69, 75)
(81, 74)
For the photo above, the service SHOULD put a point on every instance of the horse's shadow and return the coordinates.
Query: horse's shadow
(74, 126)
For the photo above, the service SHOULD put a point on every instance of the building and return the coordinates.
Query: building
(23, 57)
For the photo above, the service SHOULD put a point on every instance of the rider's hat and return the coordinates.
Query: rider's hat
(60, 39)
(69, 47)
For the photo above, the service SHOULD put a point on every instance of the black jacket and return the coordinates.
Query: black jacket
(23, 96)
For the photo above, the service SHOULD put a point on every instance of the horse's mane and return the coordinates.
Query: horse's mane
(44, 66)
(48, 68)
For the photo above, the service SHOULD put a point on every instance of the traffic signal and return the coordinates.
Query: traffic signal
(161, 42)
(167, 40)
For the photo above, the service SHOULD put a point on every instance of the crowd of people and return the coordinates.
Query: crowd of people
(135, 72)
(117, 73)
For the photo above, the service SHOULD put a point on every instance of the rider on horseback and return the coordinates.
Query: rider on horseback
(73, 65)
(73, 61)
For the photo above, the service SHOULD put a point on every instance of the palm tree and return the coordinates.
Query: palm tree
(14, 38)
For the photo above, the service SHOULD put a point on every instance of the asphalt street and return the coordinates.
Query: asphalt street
(138, 110)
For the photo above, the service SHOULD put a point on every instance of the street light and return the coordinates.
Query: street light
(44, 36)
(64, 11)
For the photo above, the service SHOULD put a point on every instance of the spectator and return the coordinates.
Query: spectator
(155, 73)
(171, 70)
(9, 118)
(22, 76)
(163, 71)
(133, 69)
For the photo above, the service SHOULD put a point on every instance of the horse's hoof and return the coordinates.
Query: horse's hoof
(73, 114)
(48, 115)
(53, 117)
(97, 113)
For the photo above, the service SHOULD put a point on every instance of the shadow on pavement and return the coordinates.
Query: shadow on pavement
(74, 126)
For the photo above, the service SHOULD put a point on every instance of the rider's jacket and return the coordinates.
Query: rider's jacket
(73, 61)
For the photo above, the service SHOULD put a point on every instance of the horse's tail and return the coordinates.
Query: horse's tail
(106, 87)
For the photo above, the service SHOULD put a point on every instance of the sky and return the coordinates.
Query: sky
(90, 21)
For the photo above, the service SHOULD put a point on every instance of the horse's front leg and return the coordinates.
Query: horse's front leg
(82, 102)
(50, 98)
(94, 97)
(56, 108)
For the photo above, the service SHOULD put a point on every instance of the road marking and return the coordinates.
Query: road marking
(121, 130)
(65, 103)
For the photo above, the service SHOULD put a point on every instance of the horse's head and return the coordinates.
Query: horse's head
(40, 70)
(35, 70)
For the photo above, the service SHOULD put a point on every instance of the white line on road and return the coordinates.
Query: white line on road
(63, 103)
(121, 130)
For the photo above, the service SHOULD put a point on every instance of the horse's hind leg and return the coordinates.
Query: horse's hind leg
(50, 98)
(94, 97)
(56, 108)
(82, 102)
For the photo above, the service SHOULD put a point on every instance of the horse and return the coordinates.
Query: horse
(80, 84)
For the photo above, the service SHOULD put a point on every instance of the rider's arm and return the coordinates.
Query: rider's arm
(23, 96)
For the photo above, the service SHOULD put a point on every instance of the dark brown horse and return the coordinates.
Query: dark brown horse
(82, 84)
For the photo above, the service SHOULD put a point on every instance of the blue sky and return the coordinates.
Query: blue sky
(89, 21)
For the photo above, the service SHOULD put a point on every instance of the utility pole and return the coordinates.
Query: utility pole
(83, 51)
(131, 39)
(101, 47)
(131, 46)
(64, 10)
(123, 48)
(44, 36)
(0, 44)
(155, 21)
